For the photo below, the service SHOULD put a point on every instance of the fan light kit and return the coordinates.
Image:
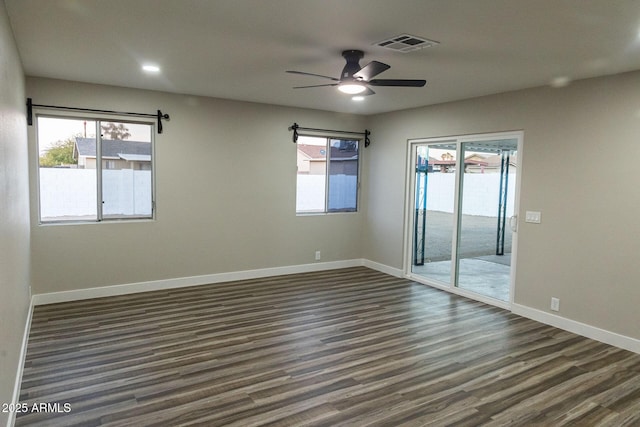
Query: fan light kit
(351, 88)
(355, 80)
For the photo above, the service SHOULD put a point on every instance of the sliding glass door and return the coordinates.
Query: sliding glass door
(462, 203)
(434, 221)
(486, 204)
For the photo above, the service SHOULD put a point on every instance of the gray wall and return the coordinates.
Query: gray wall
(226, 179)
(580, 169)
(14, 212)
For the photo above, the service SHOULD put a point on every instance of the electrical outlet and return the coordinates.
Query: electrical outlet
(318, 256)
(555, 304)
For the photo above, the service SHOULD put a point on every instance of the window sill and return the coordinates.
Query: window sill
(303, 214)
(93, 222)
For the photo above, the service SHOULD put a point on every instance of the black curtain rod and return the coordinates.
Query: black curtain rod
(158, 116)
(296, 127)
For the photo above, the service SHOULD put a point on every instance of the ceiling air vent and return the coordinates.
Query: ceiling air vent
(406, 43)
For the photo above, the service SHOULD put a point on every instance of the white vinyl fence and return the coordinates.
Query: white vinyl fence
(310, 192)
(126, 192)
(480, 193)
(72, 192)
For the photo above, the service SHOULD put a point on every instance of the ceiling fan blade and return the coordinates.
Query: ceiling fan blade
(314, 75)
(367, 92)
(304, 87)
(397, 82)
(371, 70)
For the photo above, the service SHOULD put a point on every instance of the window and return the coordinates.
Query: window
(82, 177)
(327, 179)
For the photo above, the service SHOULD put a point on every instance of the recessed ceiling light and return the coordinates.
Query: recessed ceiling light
(357, 98)
(150, 68)
(560, 81)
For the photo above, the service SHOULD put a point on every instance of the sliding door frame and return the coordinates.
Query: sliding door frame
(410, 183)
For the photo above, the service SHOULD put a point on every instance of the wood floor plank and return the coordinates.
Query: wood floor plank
(349, 347)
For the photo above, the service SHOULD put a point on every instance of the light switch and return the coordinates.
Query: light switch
(533, 217)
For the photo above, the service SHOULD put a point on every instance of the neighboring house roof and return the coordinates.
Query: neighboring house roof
(135, 157)
(339, 154)
(492, 161)
(476, 159)
(313, 151)
(496, 160)
(473, 159)
(114, 148)
(319, 153)
(434, 161)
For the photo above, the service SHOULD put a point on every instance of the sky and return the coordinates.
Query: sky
(311, 140)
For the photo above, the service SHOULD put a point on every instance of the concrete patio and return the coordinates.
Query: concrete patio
(480, 269)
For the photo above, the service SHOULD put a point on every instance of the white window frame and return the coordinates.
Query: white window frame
(99, 168)
(326, 210)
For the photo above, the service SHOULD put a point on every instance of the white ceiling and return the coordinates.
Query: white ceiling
(240, 49)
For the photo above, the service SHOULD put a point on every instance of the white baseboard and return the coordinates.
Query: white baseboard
(156, 285)
(23, 354)
(579, 328)
(396, 272)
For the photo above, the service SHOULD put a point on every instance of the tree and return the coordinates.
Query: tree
(59, 154)
(115, 130)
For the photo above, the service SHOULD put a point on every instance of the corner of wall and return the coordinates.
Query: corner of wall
(15, 250)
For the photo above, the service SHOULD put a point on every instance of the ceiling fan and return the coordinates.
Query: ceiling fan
(355, 80)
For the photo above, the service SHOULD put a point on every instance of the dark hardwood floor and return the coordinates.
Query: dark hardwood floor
(347, 347)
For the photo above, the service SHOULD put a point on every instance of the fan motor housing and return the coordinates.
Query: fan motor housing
(353, 58)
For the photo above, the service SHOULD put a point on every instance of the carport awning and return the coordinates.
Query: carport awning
(135, 157)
